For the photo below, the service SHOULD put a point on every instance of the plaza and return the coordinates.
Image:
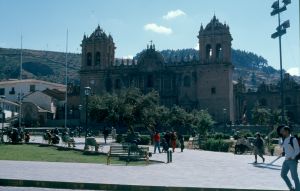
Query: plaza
(190, 169)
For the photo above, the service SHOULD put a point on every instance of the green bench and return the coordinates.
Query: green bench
(128, 153)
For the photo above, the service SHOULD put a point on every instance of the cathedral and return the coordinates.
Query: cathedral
(205, 84)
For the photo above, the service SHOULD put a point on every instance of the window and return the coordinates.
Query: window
(150, 82)
(108, 85)
(97, 58)
(288, 101)
(187, 81)
(219, 53)
(32, 88)
(208, 51)
(118, 84)
(213, 90)
(12, 91)
(263, 102)
(89, 59)
(2, 91)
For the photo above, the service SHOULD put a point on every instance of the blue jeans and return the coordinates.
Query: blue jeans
(290, 165)
(157, 145)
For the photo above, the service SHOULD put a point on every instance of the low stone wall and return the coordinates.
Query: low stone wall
(110, 187)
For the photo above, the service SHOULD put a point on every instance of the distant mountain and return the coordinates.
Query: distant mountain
(50, 66)
(44, 65)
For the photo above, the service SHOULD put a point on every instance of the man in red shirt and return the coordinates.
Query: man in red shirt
(156, 142)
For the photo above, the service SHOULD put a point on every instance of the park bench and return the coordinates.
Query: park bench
(91, 142)
(128, 153)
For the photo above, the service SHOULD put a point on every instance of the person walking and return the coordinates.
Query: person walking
(105, 134)
(156, 139)
(181, 141)
(167, 137)
(173, 140)
(291, 150)
(258, 147)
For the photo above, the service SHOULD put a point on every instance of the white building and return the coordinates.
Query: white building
(11, 89)
(48, 100)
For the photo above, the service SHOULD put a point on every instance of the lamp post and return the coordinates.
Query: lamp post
(87, 92)
(224, 116)
(280, 31)
(79, 109)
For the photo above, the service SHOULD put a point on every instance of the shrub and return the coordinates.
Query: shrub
(216, 145)
(144, 140)
(219, 136)
(119, 138)
(246, 133)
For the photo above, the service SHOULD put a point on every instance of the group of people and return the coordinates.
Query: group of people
(168, 140)
(52, 136)
(17, 135)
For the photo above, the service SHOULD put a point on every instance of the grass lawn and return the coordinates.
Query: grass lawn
(51, 154)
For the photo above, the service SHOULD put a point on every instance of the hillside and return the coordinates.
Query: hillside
(44, 65)
(50, 66)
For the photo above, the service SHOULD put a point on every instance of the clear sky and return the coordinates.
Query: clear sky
(133, 23)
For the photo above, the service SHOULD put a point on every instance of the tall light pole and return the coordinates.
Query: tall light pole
(66, 94)
(20, 93)
(87, 93)
(3, 118)
(280, 31)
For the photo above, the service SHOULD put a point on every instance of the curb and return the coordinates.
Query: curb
(111, 187)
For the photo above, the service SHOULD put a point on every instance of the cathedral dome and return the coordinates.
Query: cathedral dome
(98, 34)
(215, 26)
(151, 55)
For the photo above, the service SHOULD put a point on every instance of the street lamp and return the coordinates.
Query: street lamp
(225, 120)
(280, 31)
(80, 109)
(87, 93)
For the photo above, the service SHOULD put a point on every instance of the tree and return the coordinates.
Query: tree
(129, 107)
(202, 121)
(261, 116)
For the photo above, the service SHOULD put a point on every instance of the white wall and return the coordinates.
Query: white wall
(24, 87)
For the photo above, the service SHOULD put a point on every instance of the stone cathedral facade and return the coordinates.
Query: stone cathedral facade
(204, 84)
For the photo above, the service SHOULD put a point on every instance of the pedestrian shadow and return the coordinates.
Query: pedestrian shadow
(267, 166)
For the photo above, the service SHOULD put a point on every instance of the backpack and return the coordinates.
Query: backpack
(292, 144)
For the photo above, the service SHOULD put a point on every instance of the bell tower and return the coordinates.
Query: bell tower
(215, 43)
(98, 51)
(215, 86)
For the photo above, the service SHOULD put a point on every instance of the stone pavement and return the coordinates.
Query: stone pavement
(191, 168)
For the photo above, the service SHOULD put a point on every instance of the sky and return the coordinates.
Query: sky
(171, 24)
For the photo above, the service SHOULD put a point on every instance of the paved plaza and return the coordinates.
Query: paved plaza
(192, 168)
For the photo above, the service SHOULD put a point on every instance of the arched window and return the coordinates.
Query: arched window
(89, 59)
(97, 58)
(219, 52)
(118, 84)
(187, 81)
(288, 101)
(150, 81)
(263, 102)
(108, 85)
(208, 51)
